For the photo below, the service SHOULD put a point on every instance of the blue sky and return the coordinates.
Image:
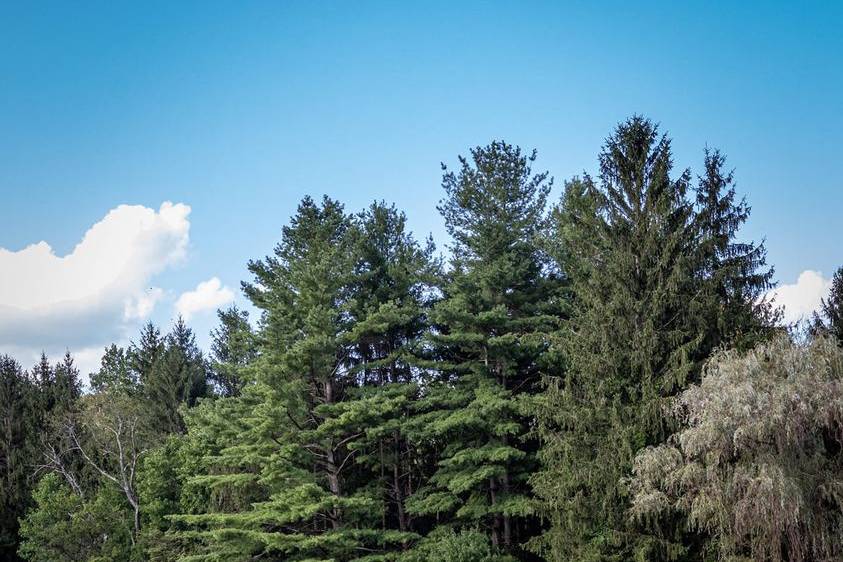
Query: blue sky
(240, 109)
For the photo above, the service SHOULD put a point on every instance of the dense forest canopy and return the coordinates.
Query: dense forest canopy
(598, 378)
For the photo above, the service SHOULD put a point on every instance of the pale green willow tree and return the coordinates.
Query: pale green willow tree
(757, 463)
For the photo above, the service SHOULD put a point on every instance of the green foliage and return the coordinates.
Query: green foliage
(656, 286)
(29, 405)
(387, 409)
(829, 321)
(490, 326)
(66, 527)
(19, 427)
(233, 348)
(446, 545)
(757, 460)
(298, 470)
(115, 373)
(144, 355)
(735, 274)
(178, 376)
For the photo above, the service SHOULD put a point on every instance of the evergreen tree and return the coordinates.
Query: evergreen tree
(490, 335)
(42, 374)
(233, 348)
(383, 410)
(144, 355)
(735, 273)
(657, 286)
(390, 298)
(829, 321)
(631, 342)
(292, 455)
(65, 387)
(20, 415)
(178, 376)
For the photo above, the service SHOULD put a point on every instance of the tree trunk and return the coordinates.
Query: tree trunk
(496, 521)
(331, 466)
(507, 522)
(396, 484)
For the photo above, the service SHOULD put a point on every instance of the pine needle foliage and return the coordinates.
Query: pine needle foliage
(490, 326)
(317, 467)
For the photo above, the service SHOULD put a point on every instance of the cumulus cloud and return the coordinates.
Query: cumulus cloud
(208, 295)
(141, 306)
(88, 297)
(802, 298)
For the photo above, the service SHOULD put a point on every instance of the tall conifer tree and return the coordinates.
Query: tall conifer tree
(233, 348)
(20, 416)
(657, 286)
(735, 273)
(491, 325)
(829, 320)
(178, 375)
(390, 299)
(301, 441)
(632, 340)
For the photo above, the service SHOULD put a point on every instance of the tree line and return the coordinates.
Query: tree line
(599, 378)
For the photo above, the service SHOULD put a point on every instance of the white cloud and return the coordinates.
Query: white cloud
(141, 306)
(208, 295)
(87, 298)
(802, 298)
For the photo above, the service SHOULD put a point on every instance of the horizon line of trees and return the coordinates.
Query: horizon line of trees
(598, 379)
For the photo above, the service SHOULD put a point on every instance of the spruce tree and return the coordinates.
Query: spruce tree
(658, 285)
(497, 306)
(144, 355)
(632, 339)
(735, 273)
(178, 376)
(829, 321)
(20, 416)
(65, 388)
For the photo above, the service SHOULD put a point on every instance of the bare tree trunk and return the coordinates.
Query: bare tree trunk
(126, 452)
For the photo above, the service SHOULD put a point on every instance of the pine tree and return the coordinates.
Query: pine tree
(498, 303)
(391, 295)
(292, 455)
